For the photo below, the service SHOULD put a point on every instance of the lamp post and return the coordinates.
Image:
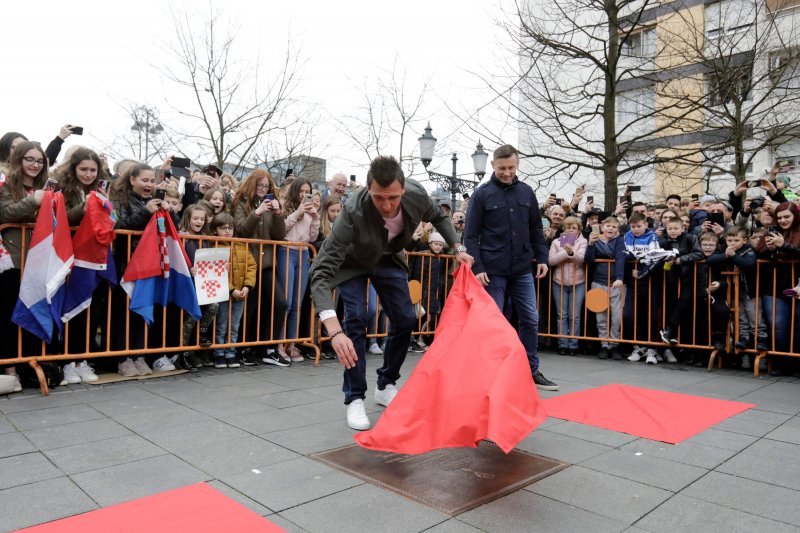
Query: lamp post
(452, 183)
(146, 120)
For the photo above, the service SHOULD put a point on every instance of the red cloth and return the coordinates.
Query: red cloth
(653, 414)
(196, 508)
(473, 383)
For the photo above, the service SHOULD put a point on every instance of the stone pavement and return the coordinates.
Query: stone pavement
(86, 447)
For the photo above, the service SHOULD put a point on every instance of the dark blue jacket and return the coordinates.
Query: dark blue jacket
(607, 273)
(504, 229)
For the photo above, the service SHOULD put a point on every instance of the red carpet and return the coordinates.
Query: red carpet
(196, 508)
(652, 414)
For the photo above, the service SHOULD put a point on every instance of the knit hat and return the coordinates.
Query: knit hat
(785, 179)
(707, 198)
(435, 236)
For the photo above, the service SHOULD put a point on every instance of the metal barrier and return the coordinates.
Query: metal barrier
(123, 334)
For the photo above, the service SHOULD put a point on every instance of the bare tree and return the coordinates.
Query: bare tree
(147, 139)
(233, 103)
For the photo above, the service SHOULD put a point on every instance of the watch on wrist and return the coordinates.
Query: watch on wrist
(461, 248)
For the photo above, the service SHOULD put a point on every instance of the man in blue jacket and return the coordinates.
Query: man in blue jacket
(504, 235)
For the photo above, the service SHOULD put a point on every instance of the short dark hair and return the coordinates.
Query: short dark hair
(675, 196)
(385, 170)
(736, 231)
(708, 236)
(221, 219)
(637, 217)
(505, 151)
(637, 204)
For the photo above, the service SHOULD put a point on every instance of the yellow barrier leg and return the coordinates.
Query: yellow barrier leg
(41, 377)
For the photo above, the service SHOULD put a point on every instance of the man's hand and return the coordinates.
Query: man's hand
(716, 228)
(483, 278)
(593, 237)
(741, 187)
(341, 343)
(541, 271)
(617, 284)
(464, 257)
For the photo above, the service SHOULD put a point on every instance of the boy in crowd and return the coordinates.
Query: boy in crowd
(679, 281)
(607, 245)
(640, 315)
(712, 290)
(740, 253)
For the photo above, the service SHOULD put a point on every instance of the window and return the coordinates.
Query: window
(729, 16)
(785, 72)
(777, 6)
(731, 84)
(636, 112)
(641, 44)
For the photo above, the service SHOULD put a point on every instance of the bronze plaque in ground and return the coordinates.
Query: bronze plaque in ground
(450, 480)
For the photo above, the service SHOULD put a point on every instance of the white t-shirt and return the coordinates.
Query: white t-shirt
(394, 225)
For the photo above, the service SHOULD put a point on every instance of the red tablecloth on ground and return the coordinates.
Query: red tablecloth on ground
(653, 414)
(196, 508)
(473, 383)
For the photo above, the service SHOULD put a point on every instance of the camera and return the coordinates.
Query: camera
(757, 203)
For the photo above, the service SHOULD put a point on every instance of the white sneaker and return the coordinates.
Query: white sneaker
(141, 366)
(85, 372)
(17, 384)
(652, 357)
(384, 397)
(163, 364)
(127, 368)
(374, 349)
(669, 356)
(357, 416)
(636, 355)
(71, 374)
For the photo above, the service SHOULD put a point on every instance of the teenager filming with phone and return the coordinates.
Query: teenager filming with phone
(302, 225)
(569, 283)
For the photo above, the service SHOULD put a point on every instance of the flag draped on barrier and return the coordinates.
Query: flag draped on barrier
(158, 271)
(473, 383)
(49, 260)
(93, 258)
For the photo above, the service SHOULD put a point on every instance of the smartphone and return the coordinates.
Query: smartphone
(76, 130)
(590, 198)
(774, 229)
(102, 187)
(622, 199)
(716, 218)
(181, 172)
(634, 188)
(559, 200)
(52, 185)
(269, 197)
(595, 228)
(309, 198)
(181, 162)
(353, 177)
(567, 238)
(160, 194)
(695, 197)
(465, 196)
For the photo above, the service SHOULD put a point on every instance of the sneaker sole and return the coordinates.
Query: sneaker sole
(547, 387)
(233, 365)
(269, 361)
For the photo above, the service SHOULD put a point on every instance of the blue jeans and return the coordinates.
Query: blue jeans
(778, 330)
(237, 308)
(391, 285)
(522, 291)
(569, 303)
(295, 278)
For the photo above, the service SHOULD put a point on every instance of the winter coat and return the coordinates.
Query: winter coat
(605, 271)
(688, 248)
(24, 211)
(243, 268)
(568, 270)
(266, 227)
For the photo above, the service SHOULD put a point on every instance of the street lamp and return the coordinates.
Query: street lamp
(452, 183)
(146, 120)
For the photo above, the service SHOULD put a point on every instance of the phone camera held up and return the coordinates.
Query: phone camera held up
(160, 194)
(76, 130)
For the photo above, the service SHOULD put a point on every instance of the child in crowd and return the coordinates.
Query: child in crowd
(242, 268)
(217, 199)
(711, 304)
(194, 223)
(569, 289)
(173, 198)
(607, 250)
(679, 279)
(643, 290)
(739, 253)
(431, 272)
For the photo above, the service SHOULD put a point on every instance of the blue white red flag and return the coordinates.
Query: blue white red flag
(49, 260)
(158, 271)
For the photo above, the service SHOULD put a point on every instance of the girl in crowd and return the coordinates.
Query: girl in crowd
(569, 282)
(331, 208)
(302, 225)
(133, 201)
(195, 222)
(257, 215)
(228, 184)
(8, 142)
(20, 197)
(217, 199)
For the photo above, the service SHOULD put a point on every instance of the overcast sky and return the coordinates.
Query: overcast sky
(81, 62)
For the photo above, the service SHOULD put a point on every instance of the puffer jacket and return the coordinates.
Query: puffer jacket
(243, 269)
(265, 227)
(568, 270)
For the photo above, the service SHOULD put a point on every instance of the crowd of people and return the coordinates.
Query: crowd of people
(663, 268)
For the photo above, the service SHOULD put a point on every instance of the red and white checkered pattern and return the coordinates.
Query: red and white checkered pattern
(211, 286)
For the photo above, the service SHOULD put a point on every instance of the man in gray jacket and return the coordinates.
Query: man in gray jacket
(367, 243)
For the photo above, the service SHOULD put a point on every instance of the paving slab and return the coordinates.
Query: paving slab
(234, 456)
(26, 468)
(231, 406)
(724, 387)
(646, 469)
(315, 438)
(603, 494)
(201, 434)
(453, 525)
(15, 444)
(5, 425)
(779, 397)
(101, 454)
(56, 416)
(785, 452)
(127, 406)
(772, 471)
(215, 379)
(292, 398)
(690, 515)
(45, 501)
(33, 403)
(689, 453)
(789, 432)
(148, 421)
(524, 511)
(129, 481)
(268, 422)
(722, 439)
(593, 434)
(753, 497)
(335, 513)
(746, 427)
(281, 521)
(561, 447)
(290, 483)
(235, 495)
(78, 433)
